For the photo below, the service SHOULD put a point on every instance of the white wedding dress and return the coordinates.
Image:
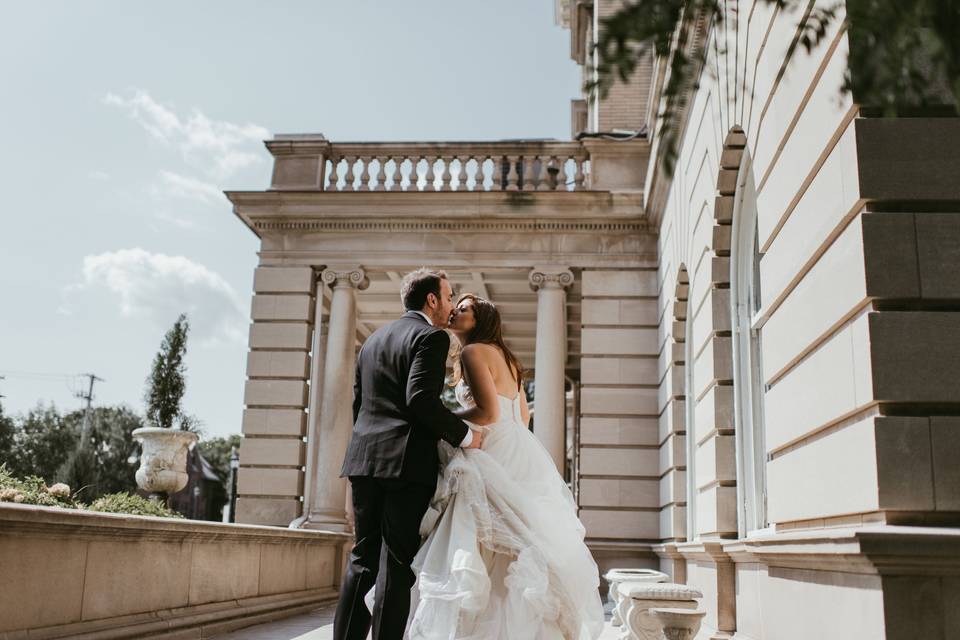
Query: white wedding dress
(504, 556)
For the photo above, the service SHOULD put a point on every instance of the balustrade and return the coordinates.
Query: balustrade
(523, 166)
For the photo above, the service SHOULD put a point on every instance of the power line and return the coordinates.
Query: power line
(86, 412)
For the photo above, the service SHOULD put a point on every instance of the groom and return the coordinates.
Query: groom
(392, 458)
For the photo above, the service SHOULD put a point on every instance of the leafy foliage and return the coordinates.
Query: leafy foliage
(217, 452)
(166, 383)
(904, 55)
(42, 443)
(32, 490)
(134, 505)
(80, 472)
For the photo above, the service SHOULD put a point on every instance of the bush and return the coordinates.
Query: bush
(133, 505)
(33, 490)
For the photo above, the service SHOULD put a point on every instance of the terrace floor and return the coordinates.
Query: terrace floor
(318, 625)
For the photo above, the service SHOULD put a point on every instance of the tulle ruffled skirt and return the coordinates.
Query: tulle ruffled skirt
(504, 555)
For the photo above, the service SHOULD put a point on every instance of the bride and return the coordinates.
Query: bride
(504, 555)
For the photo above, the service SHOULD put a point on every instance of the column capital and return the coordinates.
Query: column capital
(550, 278)
(351, 276)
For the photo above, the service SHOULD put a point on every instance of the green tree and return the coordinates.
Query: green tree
(7, 437)
(217, 452)
(113, 447)
(166, 383)
(904, 55)
(42, 443)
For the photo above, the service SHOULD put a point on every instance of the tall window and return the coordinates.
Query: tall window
(749, 387)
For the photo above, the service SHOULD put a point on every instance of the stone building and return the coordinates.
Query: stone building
(759, 351)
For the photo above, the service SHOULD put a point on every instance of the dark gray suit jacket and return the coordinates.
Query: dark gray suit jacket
(397, 413)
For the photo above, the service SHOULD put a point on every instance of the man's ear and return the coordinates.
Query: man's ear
(434, 301)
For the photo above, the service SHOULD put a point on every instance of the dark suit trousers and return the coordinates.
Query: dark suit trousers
(387, 515)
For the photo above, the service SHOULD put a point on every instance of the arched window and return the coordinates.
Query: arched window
(748, 383)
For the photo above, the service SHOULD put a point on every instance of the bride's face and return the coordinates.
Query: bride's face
(462, 319)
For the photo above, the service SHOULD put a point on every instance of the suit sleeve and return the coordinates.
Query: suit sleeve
(357, 390)
(423, 385)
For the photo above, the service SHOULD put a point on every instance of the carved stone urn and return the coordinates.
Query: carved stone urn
(163, 462)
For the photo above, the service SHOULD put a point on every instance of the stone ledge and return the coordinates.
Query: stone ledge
(92, 575)
(879, 550)
(30, 520)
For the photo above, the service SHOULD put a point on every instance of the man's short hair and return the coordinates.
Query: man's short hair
(417, 285)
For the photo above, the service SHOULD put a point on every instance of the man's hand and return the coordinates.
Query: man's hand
(477, 440)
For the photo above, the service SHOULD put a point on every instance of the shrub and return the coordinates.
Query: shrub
(33, 490)
(134, 505)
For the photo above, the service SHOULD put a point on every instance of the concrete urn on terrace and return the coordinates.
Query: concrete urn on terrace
(163, 461)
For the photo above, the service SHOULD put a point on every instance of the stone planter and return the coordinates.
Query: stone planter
(615, 576)
(678, 624)
(642, 597)
(163, 462)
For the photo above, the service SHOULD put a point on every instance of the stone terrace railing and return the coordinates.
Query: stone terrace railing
(305, 162)
(74, 574)
(471, 166)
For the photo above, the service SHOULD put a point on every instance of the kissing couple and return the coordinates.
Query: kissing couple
(460, 517)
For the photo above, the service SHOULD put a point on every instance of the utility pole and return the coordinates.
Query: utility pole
(86, 412)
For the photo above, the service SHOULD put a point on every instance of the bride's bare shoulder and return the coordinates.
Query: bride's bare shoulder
(480, 350)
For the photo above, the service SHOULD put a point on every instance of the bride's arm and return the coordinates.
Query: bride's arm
(524, 407)
(477, 375)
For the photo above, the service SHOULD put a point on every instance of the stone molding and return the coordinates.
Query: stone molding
(388, 225)
(880, 550)
(550, 278)
(30, 520)
(354, 277)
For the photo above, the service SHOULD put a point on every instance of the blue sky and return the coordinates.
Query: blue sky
(121, 122)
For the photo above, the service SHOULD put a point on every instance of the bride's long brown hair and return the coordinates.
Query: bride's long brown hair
(488, 329)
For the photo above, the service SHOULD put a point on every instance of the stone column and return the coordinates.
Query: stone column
(549, 418)
(328, 495)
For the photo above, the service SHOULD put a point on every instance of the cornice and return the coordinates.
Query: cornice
(881, 550)
(418, 212)
(34, 521)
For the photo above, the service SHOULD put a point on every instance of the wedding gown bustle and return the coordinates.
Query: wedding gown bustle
(504, 555)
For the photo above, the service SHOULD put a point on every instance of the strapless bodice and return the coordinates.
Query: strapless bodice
(509, 407)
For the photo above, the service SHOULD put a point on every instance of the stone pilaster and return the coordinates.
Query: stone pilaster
(270, 480)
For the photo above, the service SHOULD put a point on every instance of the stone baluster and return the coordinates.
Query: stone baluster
(498, 165)
(381, 173)
(445, 176)
(328, 508)
(390, 182)
(478, 176)
(512, 176)
(549, 418)
(561, 174)
(548, 165)
(529, 173)
(350, 177)
(414, 175)
(364, 174)
(334, 174)
(579, 177)
(431, 176)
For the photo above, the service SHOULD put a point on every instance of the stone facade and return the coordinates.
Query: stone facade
(761, 344)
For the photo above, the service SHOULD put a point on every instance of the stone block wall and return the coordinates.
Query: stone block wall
(272, 456)
(619, 438)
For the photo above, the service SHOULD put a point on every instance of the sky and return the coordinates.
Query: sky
(122, 122)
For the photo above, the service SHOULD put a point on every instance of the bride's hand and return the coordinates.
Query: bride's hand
(477, 441)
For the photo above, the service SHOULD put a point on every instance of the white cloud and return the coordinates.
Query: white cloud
(157, 288)
(180, 186)
(98, 175)
(218, 147)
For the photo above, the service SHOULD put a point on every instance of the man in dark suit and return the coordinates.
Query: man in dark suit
(392, 459)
